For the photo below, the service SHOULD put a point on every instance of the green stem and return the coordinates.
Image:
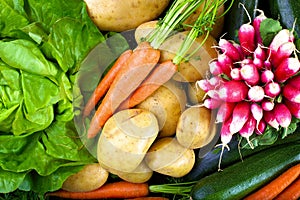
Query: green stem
(183, 189)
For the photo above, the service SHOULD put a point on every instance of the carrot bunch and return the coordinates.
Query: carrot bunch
(134, 76)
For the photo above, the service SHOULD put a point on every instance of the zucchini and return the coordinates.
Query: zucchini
(286, 11)
(209, 163)
(242, 178)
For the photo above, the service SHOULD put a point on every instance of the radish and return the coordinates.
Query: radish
(256, 93)
(293, 107)
(248, 129)
(294, 81)
(204, 85)
(215, 81)
(281, 37)
(246, 35)
(259, 53)
(211, 103)
(266, 76)
(235, 74)
(267, 105)
(215, 68)
(256, 24)
(258, 63)
(283, 115)
(260, 127)
(291, 93)
(233, 91)
(270, 119)
(229, 49)
(250, 74)
(257, 112)
(224, 111)
(213, 94)
(225, 63)
(285, 50)
(240, 115)
(272, 89)
(287, 68)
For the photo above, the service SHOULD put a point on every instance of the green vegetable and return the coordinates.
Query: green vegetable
(240, 179)
(42, 47)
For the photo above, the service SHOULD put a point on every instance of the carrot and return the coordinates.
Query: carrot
(161, 74)
(121, 189)
(292, 192)
(149, 198)
(137, 68)
(105, 83)
(276, 186)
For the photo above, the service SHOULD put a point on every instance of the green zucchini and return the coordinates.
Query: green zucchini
(242, 178)
(286, 11)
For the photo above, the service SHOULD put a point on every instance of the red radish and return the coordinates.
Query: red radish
(256, 93)
(240, 115)
(259, 53)
(226, 63)
(250, 74)
(246, 35)
(224, 111)
(213, 94)
(257, 112)
(226, 137)
(267, 64)
(258, 63)
(285, 50)
(291, 93)
(235, 74)
(204, 85)
(260, 127)
(248, 129)
(287, 68)
(239, 48)
(215, 68)
(272, 89)
(281, 37)
(267, 105)
(293, 107)
(233, 91)
(283, 115)
(270, 118)
(256, 24)
(212, 103)
(215, 81)
(246, 61)
(266, 76)
(294, 81)
(229, 49)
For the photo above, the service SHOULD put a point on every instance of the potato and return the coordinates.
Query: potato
(168, 157)
(116, 15)
(125, 139)
(197, 66)
(140, 175)
(195, 94)
(91, 177)
(143, 30)
(166, 103)
(195, 128)
(217, 27)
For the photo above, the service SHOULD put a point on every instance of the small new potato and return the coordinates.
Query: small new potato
(166, 103)
(120, 15)
(168, 157)
(143, 30)
(125, 139)
(91, 177)
(195, 128)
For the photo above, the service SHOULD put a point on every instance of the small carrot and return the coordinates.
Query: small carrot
(121, 189)
(292, 192)
(161, 74)
(137, 68)
(105, 83)
(149, 198)
(276, 186)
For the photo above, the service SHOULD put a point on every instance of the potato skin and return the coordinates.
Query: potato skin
(195, 128)
(166, 103)
(125, 139)
(195, 94)
(168, 157)
(120, 15)
(91, 177)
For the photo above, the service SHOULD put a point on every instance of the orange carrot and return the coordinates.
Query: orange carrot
(161, 74)
(105, 83)
(120, 189)
(149, 198)
(276, 186)
(137, 68)
(292, 192)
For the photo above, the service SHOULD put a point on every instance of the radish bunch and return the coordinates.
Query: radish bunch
(252, 85)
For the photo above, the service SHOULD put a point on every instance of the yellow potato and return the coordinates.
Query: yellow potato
(197, 66)
(168, 157)
(166, 103)
(143, 30)
(195, 94)
(140, 175)
(195, 128)
(91, 177)
(125, 139)
(122, 15)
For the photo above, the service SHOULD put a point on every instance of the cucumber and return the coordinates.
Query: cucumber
(209, 163)
(286, 11)
(242, 178)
